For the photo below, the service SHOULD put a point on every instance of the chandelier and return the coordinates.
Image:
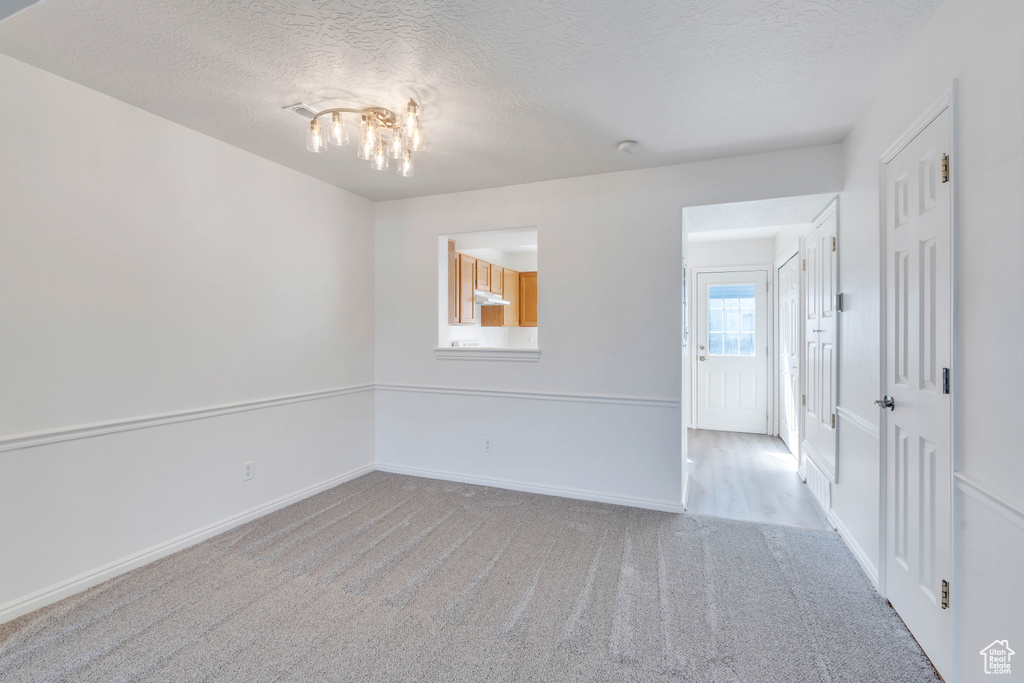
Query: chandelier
(381, 135)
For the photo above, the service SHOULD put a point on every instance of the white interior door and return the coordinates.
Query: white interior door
(821, 362)
(918, 347)
(732, 351)
(788, 288)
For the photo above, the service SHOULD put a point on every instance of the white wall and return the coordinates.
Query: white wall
(599, 414)
(757, 252)
(978, 42)
(147, 269)
(788, 239)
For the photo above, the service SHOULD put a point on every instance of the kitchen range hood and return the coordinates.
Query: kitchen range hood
(485, 298)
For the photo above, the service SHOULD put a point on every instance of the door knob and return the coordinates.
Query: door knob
(886, 402)
(702, 357)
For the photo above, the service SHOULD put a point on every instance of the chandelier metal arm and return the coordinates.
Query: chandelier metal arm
(384, 117)
(381, 137)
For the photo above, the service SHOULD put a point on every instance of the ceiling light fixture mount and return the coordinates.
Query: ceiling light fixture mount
(381, 135)
(627, 146)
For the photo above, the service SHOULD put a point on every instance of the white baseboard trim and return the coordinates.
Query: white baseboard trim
(19, 441)
(46, 596)
(579, 494)
(858, 552)
(686, 490)
(644, 401)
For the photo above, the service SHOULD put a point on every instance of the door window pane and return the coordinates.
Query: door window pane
(747, 344)
(715, 320)
(732, 345)
(715, 343)
(731, 320)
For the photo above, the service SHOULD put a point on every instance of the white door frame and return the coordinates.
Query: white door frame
(948, 100)
(792, 251)
(770, 324)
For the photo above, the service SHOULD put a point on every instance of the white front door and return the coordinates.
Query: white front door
(788, 288)
(918, 349)
(732, 351)
(821, 362)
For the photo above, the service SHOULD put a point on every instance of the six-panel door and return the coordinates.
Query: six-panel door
(918, 431)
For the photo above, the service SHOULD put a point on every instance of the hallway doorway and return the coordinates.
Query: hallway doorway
(748, 477)
(747, 268)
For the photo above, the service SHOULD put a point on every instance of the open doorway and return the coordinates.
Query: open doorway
(746, 355)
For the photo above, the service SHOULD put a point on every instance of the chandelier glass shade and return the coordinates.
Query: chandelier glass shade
(382, 135)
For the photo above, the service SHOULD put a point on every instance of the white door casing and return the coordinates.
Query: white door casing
(732, 351)
(918, 347)
(788, 289)
(821, 360)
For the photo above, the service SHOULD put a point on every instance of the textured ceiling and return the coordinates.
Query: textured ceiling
(512, 92)
(761, 218)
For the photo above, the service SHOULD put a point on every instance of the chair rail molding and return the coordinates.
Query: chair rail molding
(32, 439)
(612, 399)
(970, 486)
(858, 421)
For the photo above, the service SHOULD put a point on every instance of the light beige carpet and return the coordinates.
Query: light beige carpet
(393, 578)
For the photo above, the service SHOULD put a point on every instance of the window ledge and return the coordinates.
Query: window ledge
(488, 354)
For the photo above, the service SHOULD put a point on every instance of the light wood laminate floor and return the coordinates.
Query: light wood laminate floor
(751, 477)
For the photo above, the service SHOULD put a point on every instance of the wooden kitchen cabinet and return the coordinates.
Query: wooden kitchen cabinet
(528, 299)
(453, 284)
(467, 285)
(467, 274)
(483, 275)
(497, 280)
(503, 316)
(511, 289)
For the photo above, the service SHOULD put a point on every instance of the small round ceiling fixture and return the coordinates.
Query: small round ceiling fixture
(627, 146)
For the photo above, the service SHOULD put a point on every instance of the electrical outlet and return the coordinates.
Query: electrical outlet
(247, 471)
(488, 445)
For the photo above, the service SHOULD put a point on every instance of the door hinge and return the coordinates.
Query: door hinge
(803, 399)
(945, 380)
(833, 243)
(833, 420)
(945, 168)
(803, 265)
(945, 594)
